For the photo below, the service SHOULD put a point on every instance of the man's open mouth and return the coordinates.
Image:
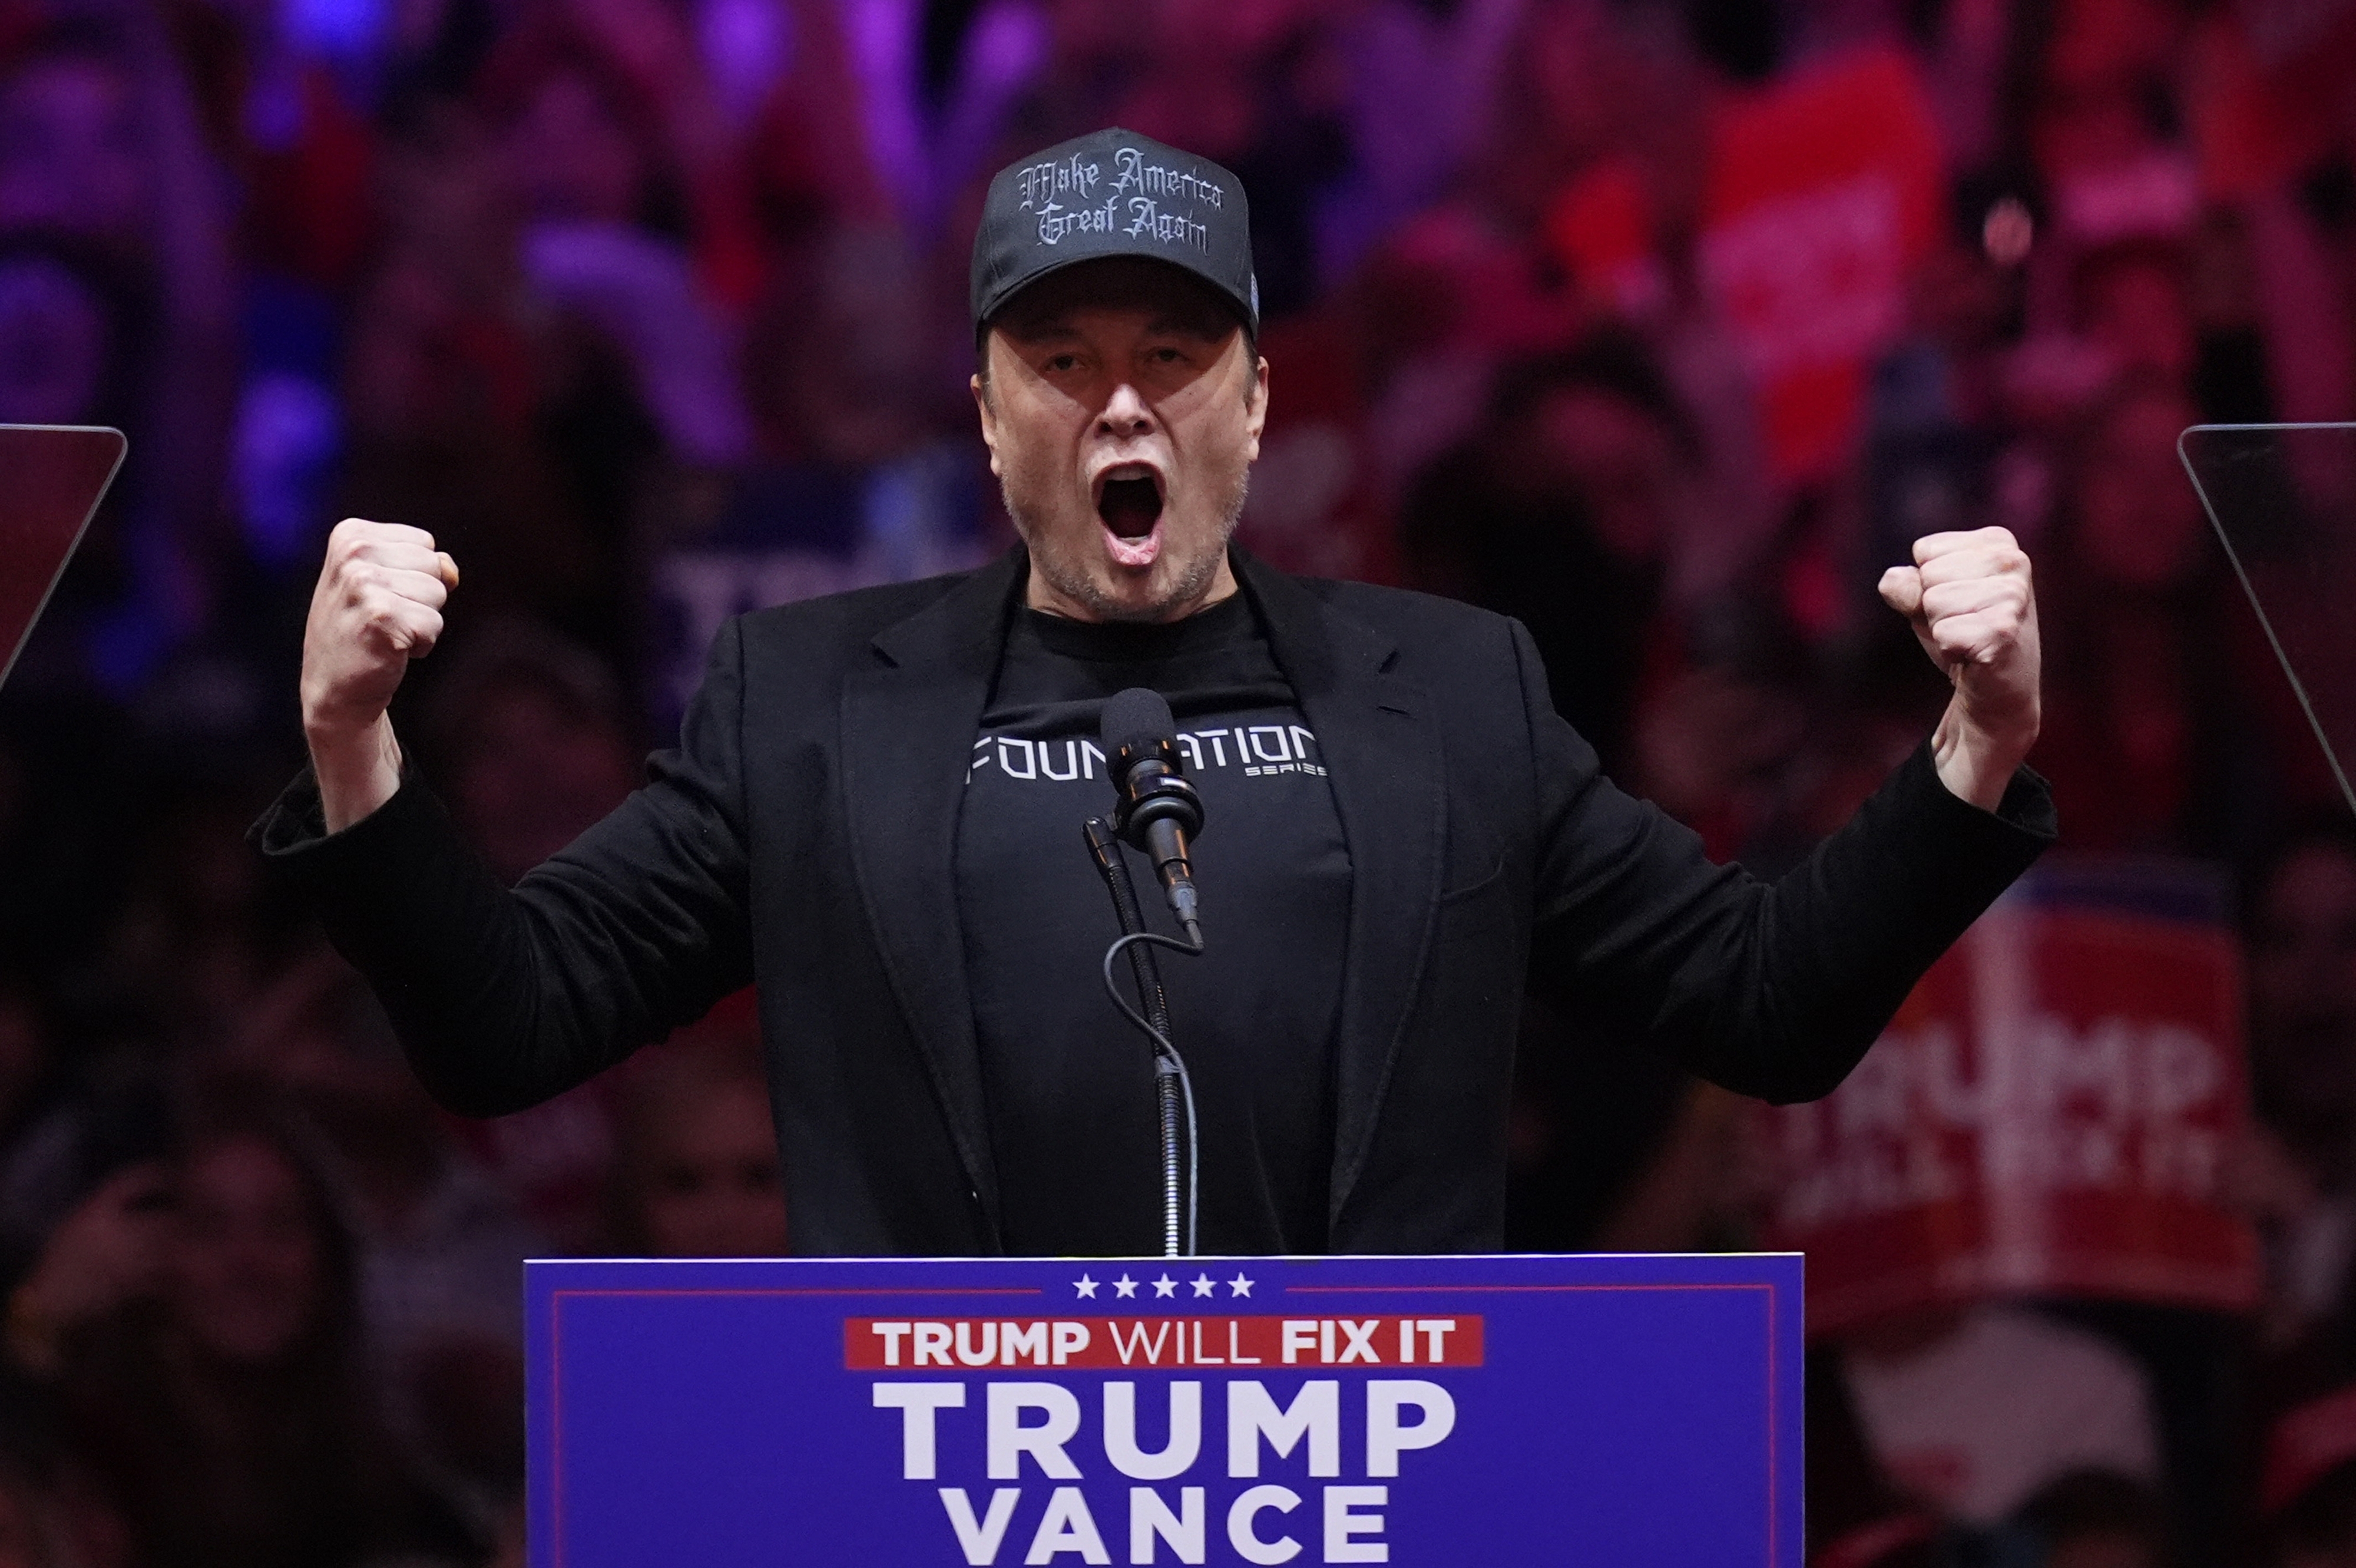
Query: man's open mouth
(1128, 501)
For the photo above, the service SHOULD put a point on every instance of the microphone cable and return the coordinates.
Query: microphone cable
(1168, 1066)
(1173, 1085)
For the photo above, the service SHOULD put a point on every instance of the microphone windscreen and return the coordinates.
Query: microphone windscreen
(1134, 716)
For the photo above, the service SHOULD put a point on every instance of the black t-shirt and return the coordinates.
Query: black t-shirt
(1070, 1084)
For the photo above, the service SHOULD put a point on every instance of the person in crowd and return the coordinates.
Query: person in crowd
(533, 733)
(440, 1243)
(2298, 1178)
(196, 934)
(440, 1236)
(212, 1377)
(696, 1173)
(1560, 514)
(72, 329)
(87, 1109)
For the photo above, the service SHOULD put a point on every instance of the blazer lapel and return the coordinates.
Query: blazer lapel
(1383, 758)
(908, 724)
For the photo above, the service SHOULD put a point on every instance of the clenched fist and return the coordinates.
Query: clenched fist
(1975, 611)
(377, 605)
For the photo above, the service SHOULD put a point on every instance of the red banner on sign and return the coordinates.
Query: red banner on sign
(870, 1344)
(2049, 1114)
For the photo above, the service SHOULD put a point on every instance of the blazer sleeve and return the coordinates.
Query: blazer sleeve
(504, 998)
(1771, 989)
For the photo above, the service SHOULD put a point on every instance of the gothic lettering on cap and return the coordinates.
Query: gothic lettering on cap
(1040, 183)
(1133, 173)
(1056, 220)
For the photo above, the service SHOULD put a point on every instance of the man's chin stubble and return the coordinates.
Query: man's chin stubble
(1070, 578)
(1073, 582)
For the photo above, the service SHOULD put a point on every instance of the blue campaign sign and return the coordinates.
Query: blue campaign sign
(1416, 1411)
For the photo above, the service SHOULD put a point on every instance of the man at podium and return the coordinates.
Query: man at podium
(872, 814)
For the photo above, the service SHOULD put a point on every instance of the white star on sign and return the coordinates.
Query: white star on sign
(1085, 1285)
(1239, 1286)
(1165, 1286)
(1205, 1284)
(1124, 1287)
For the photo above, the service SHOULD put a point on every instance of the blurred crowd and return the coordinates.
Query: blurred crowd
(1662, 325)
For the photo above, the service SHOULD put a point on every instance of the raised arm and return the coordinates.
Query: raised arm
(503, 997)
(1776, 989)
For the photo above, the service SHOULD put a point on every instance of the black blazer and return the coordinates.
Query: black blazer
(801, 837)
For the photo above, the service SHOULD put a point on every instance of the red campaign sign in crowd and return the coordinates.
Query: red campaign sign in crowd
(1825, 191)
(2050, 1112)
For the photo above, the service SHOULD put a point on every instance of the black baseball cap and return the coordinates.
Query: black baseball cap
(1113, 193)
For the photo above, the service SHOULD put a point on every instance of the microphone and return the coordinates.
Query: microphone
(1156, 810)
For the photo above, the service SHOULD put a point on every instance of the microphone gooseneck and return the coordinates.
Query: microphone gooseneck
(1157, 810)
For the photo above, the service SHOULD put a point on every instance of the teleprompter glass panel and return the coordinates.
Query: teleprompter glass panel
(2283, 501)
(52, 478)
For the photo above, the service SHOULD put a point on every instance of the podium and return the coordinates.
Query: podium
(1614, 1410)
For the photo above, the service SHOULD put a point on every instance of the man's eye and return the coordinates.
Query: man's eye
(1063, 362)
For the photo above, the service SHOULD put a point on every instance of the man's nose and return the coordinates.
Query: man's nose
(1125, 414)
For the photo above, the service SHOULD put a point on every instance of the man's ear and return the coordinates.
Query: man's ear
(989, 421)
(1256, 411)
